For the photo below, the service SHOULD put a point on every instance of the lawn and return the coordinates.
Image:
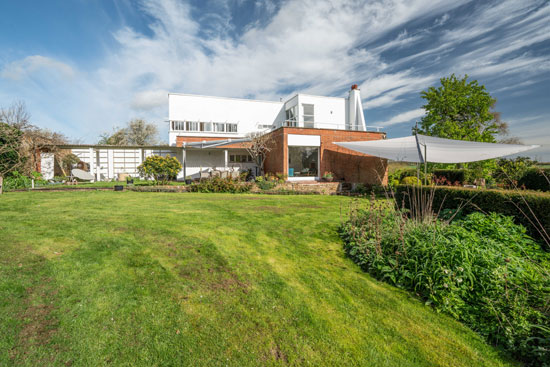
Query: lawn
(158, 279)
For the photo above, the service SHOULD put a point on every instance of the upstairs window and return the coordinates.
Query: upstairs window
(192, 125)
(308, 113)
(309, 118)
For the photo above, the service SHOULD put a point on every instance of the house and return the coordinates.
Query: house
(209, 133)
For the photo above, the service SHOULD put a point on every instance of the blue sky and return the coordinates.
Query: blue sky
(84, 67)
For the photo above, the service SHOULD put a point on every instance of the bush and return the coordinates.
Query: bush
(535, 179)
(411, 180)
(448, 176)
(527, 208)
(161, 169)
(509, 171)
(16, 180)
(218, 184)
(483, 270)
(266, 185)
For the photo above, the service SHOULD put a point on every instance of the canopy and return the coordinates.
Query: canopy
(422, 148)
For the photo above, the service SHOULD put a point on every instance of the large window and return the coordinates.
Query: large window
(309, 117)
(303, 161)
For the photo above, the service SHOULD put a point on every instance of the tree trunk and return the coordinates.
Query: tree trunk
(1, 185)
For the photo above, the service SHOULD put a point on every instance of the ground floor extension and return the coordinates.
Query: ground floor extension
(303, 154)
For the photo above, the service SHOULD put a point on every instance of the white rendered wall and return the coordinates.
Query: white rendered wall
(248, 114)
(329, 112)
(121, 161)
(304, 140)
(47, 165)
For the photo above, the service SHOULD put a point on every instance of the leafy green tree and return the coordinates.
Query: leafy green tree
(161, 169)
(462, 110)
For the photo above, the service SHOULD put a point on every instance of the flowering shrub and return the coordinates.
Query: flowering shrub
(483, 270)
(161, 169)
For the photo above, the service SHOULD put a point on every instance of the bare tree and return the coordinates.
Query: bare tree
(136, 132)
(21, 142)
(260, 144)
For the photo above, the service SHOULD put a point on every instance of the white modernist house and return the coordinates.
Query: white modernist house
(225, 118)
(208, 134)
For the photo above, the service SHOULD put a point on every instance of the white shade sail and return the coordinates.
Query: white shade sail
(422, 148)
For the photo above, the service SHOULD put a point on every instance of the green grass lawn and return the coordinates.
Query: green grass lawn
(156, 279)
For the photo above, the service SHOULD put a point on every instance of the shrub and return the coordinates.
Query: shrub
(483, 270)
(448, 176)
(16, 180)
(530, 209)
(535, 179)
(266, 185)
(411, 180)
(218, 184)
(509, 171)
(161, 169)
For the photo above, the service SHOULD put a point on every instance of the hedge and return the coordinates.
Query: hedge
(506, 202)
(452, 175)
(536, 179)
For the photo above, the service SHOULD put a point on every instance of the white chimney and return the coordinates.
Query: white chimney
(356, 119)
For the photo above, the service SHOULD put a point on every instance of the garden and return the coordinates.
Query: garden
(203, 279)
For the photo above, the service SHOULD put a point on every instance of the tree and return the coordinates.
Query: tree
(136, 132)
(260, 144)
(161, 169)
(12, 121)
(35, 140)
(462, 110)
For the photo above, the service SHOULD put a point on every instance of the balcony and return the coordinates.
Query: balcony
(325, 125)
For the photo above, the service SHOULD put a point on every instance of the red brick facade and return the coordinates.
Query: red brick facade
(345, 164)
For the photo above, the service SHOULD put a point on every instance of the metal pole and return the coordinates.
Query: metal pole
(425, 164)
(184, 163)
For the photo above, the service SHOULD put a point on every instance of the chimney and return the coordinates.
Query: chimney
(356, 120)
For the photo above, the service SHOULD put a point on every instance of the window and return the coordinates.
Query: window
(192, 125)
(204, 126)
(178, 125)
(303, 161)
(308, 115)
(291, 114)
(240, 158)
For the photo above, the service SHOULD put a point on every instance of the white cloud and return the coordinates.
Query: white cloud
(403, 117)
(30, 65)
(150, 99)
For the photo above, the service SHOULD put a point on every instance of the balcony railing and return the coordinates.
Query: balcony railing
(326, 125)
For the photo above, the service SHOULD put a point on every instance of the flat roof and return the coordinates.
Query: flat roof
(254, 100)
(218, 97)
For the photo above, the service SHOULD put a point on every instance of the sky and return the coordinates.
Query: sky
(85, 67)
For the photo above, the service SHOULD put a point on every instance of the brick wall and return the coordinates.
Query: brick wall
(346, 165)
